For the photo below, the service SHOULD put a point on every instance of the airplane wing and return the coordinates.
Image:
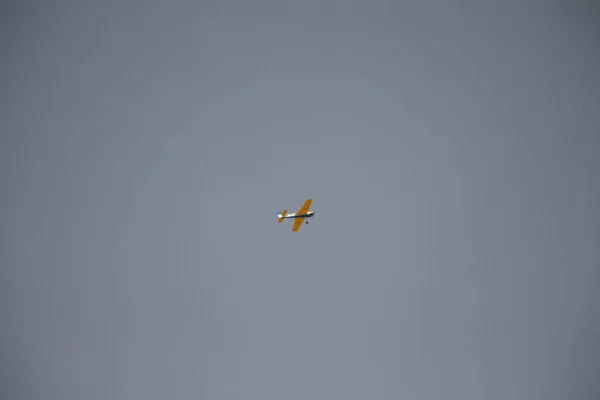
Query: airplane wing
(305, 207)
(297, 224)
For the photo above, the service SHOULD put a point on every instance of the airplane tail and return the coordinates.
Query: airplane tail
(282, 216)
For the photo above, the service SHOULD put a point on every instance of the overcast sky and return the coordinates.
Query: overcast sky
(451, 150)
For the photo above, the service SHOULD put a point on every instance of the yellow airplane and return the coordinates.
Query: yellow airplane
(299, 216)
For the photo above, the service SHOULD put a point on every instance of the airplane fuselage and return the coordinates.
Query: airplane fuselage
(309, 214)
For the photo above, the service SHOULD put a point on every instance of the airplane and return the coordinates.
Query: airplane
(299, 216)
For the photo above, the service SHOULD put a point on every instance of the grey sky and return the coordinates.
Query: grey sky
(450, 149)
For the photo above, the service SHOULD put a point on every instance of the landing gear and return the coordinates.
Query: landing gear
(306, 222)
